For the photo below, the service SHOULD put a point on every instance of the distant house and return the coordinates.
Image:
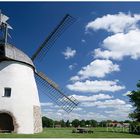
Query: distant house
(57, 126)
(126, 124)
(117, 124)
(113, 124)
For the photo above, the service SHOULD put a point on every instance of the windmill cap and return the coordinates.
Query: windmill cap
(12, 53)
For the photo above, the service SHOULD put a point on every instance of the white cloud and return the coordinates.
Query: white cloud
(125, 42)
(59, 115)
(83, 41)
(47, 104)
(119, 107)
(69, 53)
(92, 98)
(47, 109)
(116, 23)
(97, 68)
(113, 109)
(95, 86)
(120, 45)
(127, 93)
(72, 66)
(95, 116)
(75, 78)
(120, 111)
(91, 109)
(115, 103)
(78, 109)
(126, 108)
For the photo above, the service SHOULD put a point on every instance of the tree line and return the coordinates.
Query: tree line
(47, 122)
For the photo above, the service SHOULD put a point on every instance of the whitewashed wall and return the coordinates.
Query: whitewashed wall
(24, 94)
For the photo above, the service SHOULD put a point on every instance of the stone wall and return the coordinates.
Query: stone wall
(37, 119)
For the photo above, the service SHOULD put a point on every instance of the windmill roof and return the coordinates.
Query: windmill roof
(13, 53)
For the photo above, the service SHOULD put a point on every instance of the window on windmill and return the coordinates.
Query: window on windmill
(2, 50)
(7, 92)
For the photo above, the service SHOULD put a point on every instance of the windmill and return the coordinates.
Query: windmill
(19, 102)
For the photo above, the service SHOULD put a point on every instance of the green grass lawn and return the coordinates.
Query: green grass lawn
(67, 133)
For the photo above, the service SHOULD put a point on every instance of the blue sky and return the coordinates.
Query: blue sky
(96, 60)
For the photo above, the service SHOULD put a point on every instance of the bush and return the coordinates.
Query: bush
(74, 131)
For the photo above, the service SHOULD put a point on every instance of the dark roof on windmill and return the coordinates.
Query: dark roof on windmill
(13, 53)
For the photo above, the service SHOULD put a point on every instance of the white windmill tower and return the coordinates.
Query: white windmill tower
(19, 102)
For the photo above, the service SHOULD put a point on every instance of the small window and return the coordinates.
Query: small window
(7, 92)
(2, 50)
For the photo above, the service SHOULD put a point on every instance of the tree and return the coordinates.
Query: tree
(103, 124)
(46, 122)
(93, 123)
(135, 100)
(127, 121)
(75, 123)
(62, 123)
(67, 123)
(87, 122)
(82, 123)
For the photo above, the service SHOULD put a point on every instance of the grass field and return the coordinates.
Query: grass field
(67, 133)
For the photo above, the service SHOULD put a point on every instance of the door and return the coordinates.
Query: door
(6, 123)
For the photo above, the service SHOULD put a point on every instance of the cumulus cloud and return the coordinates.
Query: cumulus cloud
(118, 106)
(72, 66)
(60, 114)
(116, 23)
(127, 93)
(125, 41)
(46, 104)
(112, 108)
(69, 53)
(78, 109)
(97, 68)
(75, 78)
(95, 86)
(83, 41)
(115, 108)
(47, 110)
(117, 113)
(92, 98)
(105, 104)
(120, 45)
(126, 108)
(120, 111)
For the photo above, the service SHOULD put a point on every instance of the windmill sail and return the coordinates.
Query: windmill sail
(4, 26)
(54, 35)
(3, 19)
(53, 91)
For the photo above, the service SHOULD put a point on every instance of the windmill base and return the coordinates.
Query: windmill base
(21, 108)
